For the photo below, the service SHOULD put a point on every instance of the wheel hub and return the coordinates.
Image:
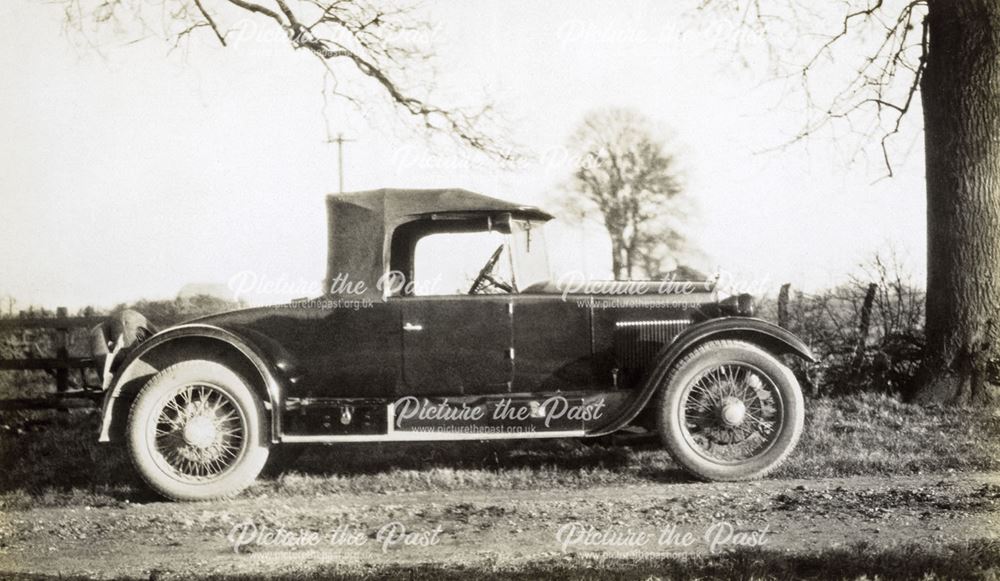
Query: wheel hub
(200, 432)
(732, 412)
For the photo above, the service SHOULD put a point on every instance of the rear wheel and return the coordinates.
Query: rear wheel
(730, 411)
(195, 432)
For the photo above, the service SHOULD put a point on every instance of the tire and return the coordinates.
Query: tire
(712, 436)
(196, 432)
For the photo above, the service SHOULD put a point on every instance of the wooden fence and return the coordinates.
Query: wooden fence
(864, 324)
(59, 366)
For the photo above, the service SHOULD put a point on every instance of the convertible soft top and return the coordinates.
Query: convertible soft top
(360, 225)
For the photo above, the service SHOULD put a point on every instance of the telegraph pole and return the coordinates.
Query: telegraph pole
(340, 158)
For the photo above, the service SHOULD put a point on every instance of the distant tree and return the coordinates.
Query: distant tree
(383, 44)
(626, 178)
(7, 303)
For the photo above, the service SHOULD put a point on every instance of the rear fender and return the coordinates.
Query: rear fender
(253, 360)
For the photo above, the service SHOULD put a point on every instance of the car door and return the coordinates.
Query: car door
(552, 345)
(456, 345)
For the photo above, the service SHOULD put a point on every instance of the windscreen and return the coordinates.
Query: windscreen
(529, 253)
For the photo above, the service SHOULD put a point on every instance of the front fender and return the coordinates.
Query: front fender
(757, 331)
(136, 367)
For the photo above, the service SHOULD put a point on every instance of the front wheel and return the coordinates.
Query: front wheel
(730, 411)
(195, 432)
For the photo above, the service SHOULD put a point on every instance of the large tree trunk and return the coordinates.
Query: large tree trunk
(961, 101)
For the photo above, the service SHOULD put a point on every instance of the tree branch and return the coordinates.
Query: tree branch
(334, 30)
(211, 22)
(258, 9)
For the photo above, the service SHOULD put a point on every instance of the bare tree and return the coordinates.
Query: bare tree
(381, 43)
(948, 53)
(626, 177)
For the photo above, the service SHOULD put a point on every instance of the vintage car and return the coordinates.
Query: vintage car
(405, 346)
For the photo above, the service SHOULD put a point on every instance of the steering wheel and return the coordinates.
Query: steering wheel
(486, 275)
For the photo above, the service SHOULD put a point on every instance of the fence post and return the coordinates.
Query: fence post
(866, 318)
(783, 305)
(62, 352)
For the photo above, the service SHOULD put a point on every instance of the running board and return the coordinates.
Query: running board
(443, 436)
(523, 419)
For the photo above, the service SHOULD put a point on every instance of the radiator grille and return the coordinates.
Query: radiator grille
(638, 342)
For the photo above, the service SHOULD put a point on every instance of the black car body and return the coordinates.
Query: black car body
(517, 356)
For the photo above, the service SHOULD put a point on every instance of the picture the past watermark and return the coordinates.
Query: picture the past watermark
(342, 290)
(249, 536)
(715, 537)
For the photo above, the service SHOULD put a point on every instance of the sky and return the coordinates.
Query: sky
(130, 170)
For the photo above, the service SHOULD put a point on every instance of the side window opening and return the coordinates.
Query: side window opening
(448, 263)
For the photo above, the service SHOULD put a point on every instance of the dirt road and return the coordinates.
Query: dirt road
(289, 534)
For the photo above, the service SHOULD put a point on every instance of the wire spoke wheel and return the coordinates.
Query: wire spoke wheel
(729, 410)
(196, 431)
(731, 413)
(199, 433)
